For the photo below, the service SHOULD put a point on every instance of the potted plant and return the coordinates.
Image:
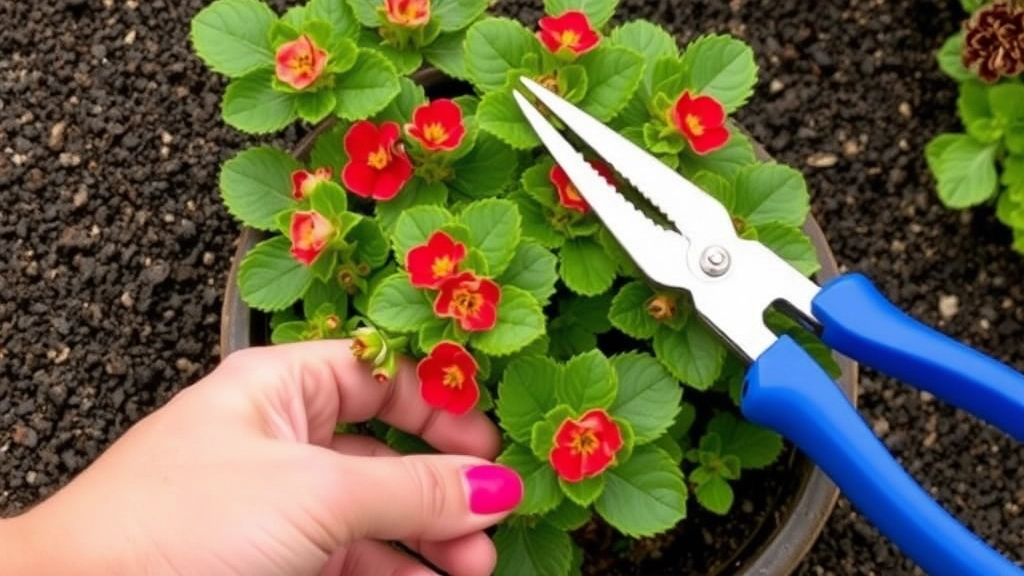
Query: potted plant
(420, 217)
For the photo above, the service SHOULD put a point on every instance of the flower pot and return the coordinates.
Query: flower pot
(773, 544)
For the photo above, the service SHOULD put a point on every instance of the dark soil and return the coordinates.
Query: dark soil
(115, 247)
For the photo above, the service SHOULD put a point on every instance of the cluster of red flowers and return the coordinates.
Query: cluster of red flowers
(470, 299)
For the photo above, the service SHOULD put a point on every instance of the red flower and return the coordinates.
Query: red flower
(568, 194)
(407, 13)
(430, 264)
(310, 232)
(304, 181)
(701, 120)
(586, 447)
(570, 33)
(471, 300)
(437, 125)
(378, 167)
(300, 62)
(448, 378)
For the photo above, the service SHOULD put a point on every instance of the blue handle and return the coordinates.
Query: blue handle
(860, 323)
(789, 393)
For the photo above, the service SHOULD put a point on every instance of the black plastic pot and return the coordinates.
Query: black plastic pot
(775, 548)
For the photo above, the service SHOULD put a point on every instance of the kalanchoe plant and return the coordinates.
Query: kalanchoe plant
(438, 228)
(985, 164)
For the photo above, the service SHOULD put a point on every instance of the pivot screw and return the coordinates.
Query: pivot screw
(715, 261)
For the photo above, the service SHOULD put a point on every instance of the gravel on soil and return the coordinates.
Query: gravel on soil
(115, 246)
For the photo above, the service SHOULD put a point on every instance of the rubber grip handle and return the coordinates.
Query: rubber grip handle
(860, 323)
(788, 392)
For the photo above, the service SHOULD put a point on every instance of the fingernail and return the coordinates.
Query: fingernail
(493, 489)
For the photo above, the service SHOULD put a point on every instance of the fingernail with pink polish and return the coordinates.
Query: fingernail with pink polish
(493, 489)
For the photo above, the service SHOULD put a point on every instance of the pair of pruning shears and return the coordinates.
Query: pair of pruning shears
(733, 282)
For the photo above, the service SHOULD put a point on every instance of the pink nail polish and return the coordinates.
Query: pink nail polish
(493, 489)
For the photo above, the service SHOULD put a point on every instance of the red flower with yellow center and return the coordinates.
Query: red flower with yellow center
(701, 120)
(570, 33)
(430, 264)
(471, 300)
(568, 194)
(448, 378)
(437, 125)
(304, 181)
(378, 167)
(310, 232)
(300, 62)
(407, 13)
(586, 447)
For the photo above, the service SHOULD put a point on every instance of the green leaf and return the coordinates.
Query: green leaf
(715, 495)
(756, 447)
(645, 38)
(289, 332)
(520, 322)
(588, 312)
(771, 192)
(966, 173)
(542, 435)
(613, 74)
(338, 14)
(533, 269)
(694, 355)
(950, 58)
(536, 225)
(457, 14)
(722, 67)
(1013, 170)
(322, 293)
(629, 312)
(405, 443)
(585, 267)
(367, 87)
(644, 495)
(446, 54)
(584, 492)
(726, 161)
(486, 169)
(648, 396)
(1007, 101)
(500, 115)
(568, 340)
(371, 245)
(270, 279)
(588, 383)
(936, 147)
(395, 305)
(329, 199)
(416, 193)
(597, 11)
(526, 393)
(972, 103)
(433, 332)
(540, 484)
(494, 230)
(568, 516)
(494, 46)
(252, 105)
(256, 186)
(315, 106)
(233, 36)
(414, 227)
(532, 550)
(367, 12)
(791, 244)
(1014, 138)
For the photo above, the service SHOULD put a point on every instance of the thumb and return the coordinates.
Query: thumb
(433, 497)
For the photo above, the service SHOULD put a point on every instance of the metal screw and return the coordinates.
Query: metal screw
(715, 261)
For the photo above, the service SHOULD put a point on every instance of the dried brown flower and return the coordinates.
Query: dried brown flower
(994, 41)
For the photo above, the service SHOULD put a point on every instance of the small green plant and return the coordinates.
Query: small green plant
(985, 164)
(440, 229)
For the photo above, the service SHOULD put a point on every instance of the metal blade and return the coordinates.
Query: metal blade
(646, 242)
(697, 215)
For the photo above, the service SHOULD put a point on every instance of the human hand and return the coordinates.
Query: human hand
(242, 474)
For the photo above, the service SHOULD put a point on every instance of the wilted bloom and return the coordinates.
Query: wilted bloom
(386, 369)
(368, 344)
(471, 300)
(661, 306)
(701, 120)
(430, 264)
(300, 62)
(310, 232)
(570, 33)
(437, 125)
(304, 181)
(568, 194)
(994, 41)
(586, 447)
(378, 167)
(407, 13)
(448, 378)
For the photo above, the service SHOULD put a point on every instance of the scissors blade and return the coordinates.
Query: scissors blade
(693, 212)
(646, 242)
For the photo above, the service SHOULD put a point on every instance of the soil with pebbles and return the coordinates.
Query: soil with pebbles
(115, 247)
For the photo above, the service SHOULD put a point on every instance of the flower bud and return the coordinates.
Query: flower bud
(661, 307)
(368, 344)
